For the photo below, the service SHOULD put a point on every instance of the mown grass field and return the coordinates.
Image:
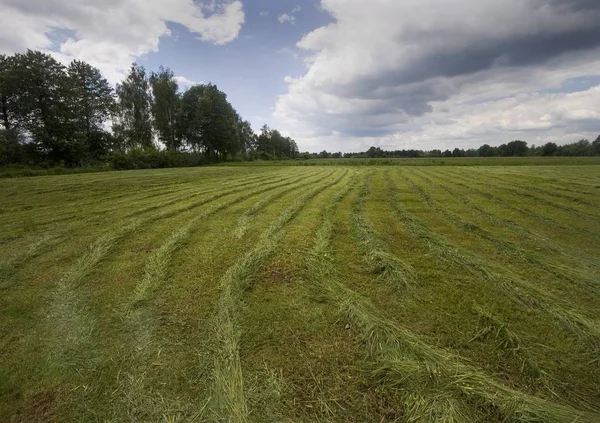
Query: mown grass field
(302, 294)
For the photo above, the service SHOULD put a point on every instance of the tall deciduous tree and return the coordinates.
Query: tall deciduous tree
(596, 146)
(219, 134)
(549, 149)
(271, 144)
(133, 118)
(209, 123)
(165, 107)
(189, 125)
(42, 103)
(93, 101)
(57, 114)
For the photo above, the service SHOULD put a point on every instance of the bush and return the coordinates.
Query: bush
(154, 159)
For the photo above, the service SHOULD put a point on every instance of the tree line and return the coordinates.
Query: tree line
(515, 148)
(71, 115)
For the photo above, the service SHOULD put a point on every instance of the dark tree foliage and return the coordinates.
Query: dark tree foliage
(596, 147)
(549, 149)
(457, 152)
(42, 104)
(93, 103)
(246, 136)
(208, 123)
(9, 93)
(52, 113)
(218, 124)
(270, 144)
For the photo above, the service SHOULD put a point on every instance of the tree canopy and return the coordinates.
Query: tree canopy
(56, 114)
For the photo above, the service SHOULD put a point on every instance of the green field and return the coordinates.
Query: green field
(302, 294)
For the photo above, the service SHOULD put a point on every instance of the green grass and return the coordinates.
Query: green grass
(429, 161)
(417, 293)
(388, 267)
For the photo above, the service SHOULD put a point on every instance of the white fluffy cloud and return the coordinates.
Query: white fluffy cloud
(416, 74)
(185, 82)
(284, 17)
(110, 34)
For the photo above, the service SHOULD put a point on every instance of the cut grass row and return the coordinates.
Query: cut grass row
(505, 281)
(138, 314)
(244, 222)
(525, 233)
(135, 207)
(503, 247)
(464, 182)
(541, 199)
(388, 267)
(541, 209)
(505, 339)
(576, 181)
(331, 335)
(10, 266)
(581, 197)
(132, 206)
(228, 401)
(433, 384)
(68, 324)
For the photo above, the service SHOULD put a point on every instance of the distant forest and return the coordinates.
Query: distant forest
(512, 149)
(56, 115)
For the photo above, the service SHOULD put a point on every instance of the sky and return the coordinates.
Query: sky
(344, 75)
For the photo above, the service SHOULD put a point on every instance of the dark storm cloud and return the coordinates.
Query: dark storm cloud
(519, 52)
(572, 5)
(445, 50)
(480, 53)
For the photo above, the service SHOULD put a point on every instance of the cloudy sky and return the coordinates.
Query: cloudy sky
(347, 74)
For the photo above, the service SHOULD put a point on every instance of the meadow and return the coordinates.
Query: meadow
(302, 294)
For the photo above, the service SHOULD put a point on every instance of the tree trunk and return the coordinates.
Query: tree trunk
(5, 115)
